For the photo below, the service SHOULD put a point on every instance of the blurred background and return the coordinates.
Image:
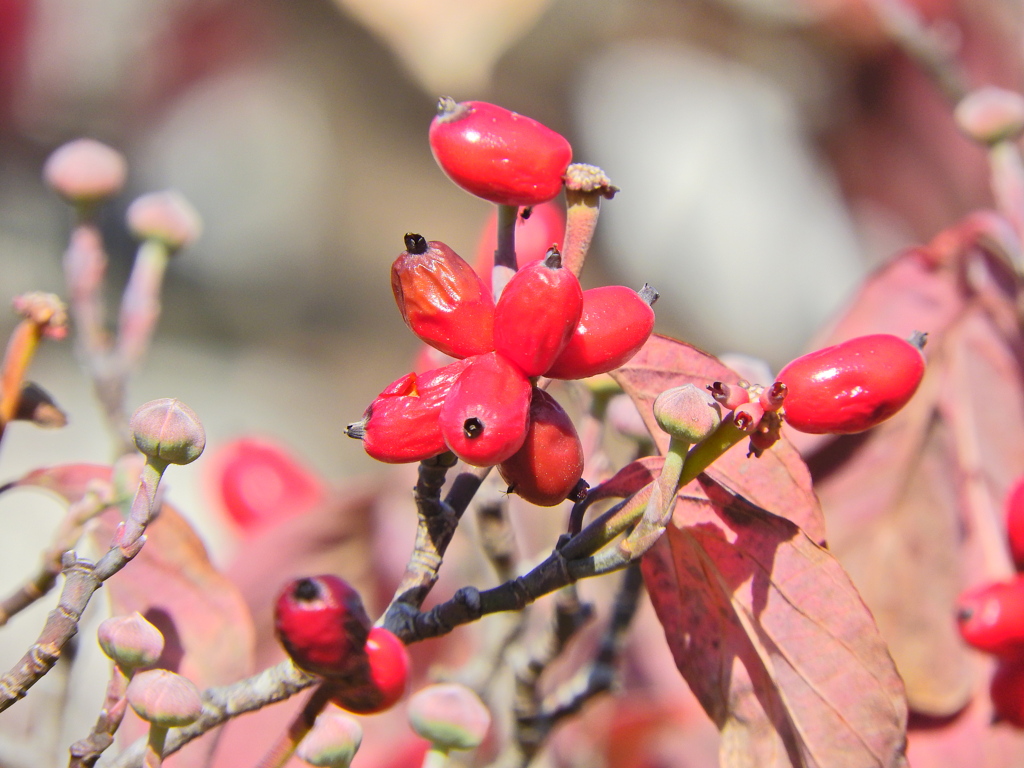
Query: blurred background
(769, 152)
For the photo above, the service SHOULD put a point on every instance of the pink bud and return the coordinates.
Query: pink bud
(333, 741)
(687, 412)
(85, 171)
(131, 641)
(168, 430)
(165, 699)
(164, 216)
(449, 715)
(990, 115)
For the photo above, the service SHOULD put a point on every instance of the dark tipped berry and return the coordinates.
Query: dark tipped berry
(322, 624)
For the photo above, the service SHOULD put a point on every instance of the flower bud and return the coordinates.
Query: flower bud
(45, 310)
(38, 406)
(332, 742)
(990, 115)
(687, 412)
(164, 698)
(450, 715)
(166, 217)
(131, 641)
(168, 430)
(85, 171)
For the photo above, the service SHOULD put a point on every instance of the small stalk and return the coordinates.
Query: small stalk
(585, 186)
(505, 264)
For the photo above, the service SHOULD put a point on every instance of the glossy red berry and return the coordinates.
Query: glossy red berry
(486, 414)
(852, 386)
(537, 230)
(537, 314)
(1014, 508)
(549, 465)
(615, 323)
(1007, 691)
(322, 624)
(402, 424)
(991, 617)
(442, 299)
(258, 483)
(498, 155)
(387, 678)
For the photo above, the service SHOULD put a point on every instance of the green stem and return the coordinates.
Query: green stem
(140, 303)
(155, 746)
(436, 757)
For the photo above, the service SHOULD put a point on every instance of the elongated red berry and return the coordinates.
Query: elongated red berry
(387, 680)
(501, 156)
(402, 424)
(486, 414)
(852, 386)
(615, 323)
(537, 314)
(322, 624)
(991, 617)
(442, 299)
(550, 463)
(1014, 509)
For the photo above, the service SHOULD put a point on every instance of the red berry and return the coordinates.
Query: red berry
(991, 617)
(550, 464)
(537, 229)
(616, 321)
(322, 624)
(537, 314)
(1007, 691)
(498, 155)
(402, 424)
(442, 299)
(387, 680)
(258, 483)
(1014, 508)
(853, 386)
(486, 414)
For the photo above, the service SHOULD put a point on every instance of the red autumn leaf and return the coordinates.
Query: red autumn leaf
(774, 640)
(914, 506)
(778, 480)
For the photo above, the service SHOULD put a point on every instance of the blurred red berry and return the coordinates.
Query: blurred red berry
(991, 617)
(258, 483)
(1007, 691)
(1014, 508)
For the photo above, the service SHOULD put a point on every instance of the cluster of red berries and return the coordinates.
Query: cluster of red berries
(991, 618)
(322, 624)
(484, 406)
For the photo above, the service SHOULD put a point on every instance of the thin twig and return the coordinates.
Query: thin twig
(93, 502)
